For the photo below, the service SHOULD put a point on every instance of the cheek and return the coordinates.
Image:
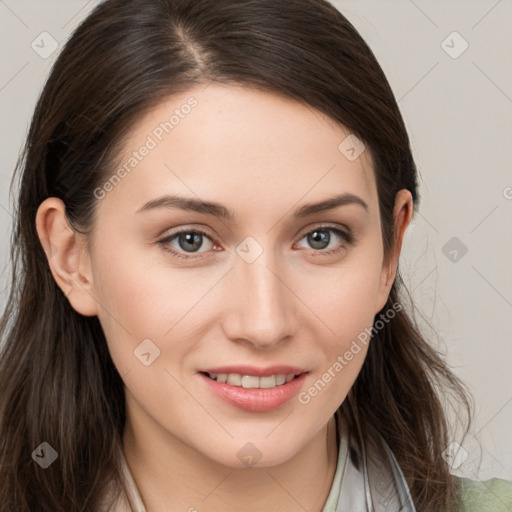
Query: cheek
(350, 318)
(345, 300)
(345, 295)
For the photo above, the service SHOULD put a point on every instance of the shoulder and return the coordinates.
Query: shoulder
(494, 495)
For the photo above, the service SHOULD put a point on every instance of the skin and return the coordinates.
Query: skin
(261, 155)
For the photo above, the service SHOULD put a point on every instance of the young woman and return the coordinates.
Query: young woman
(206, 312)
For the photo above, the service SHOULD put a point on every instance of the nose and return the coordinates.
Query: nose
(263, 308)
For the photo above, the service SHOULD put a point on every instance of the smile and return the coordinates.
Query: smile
(253, 393)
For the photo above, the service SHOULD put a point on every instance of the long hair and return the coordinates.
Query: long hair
(58, 382)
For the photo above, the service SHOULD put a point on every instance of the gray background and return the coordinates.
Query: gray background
(458, 112)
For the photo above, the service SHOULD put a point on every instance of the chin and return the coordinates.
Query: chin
(259, 454)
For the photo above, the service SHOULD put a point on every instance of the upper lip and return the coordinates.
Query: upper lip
(257, 372)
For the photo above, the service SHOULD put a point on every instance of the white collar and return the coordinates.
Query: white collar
(372, 480)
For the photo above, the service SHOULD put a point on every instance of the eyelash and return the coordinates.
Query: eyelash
(347, 237)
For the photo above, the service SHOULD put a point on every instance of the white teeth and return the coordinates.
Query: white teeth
(251, 381)
(234, 379)
(268, 382)
(248, 381)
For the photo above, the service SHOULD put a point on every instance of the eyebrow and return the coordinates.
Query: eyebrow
(219, 210)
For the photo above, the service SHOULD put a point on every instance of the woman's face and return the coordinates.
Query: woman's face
(278, 283)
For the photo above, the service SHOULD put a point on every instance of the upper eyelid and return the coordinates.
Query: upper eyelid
(326, 226)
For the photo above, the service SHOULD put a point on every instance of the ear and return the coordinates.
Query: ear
(67, 255)
(402, 213)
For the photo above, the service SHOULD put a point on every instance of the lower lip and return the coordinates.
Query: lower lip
(255, 400)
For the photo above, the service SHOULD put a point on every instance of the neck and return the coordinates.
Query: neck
(172, 476)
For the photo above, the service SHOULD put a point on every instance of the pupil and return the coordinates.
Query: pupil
(190, 238)
(319, 237)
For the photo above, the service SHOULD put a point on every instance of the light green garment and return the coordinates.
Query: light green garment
(494, 495)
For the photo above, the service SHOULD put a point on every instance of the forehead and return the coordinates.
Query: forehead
(234, 144)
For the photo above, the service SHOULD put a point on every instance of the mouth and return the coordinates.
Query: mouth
(252, 392)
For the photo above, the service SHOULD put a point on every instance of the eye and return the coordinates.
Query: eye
(320, 239)
(187, 240)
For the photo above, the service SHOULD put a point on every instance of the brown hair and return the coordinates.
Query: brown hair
(59, 383)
